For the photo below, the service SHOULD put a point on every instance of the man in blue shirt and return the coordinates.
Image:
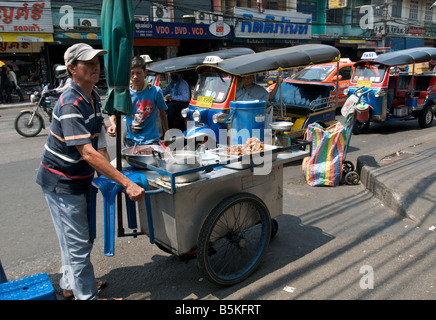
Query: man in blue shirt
(148, 103)
(177, 95)
(68, 165)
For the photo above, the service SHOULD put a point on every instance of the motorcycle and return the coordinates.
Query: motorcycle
(30, 122)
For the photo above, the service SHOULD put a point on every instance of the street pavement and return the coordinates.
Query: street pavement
(405, 181)
(382, 248)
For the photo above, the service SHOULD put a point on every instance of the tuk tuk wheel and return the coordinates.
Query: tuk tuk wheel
(352, 178)
(360, 127)
(234, 239)
(425, 118)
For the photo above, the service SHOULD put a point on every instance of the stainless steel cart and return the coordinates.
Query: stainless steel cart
(226, 218)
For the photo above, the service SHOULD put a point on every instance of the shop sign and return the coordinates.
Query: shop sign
(26, 37)
(78, 35)
(272, 24)
(337, 4)
(20, 47)
(416, 30)
(219, 29)
(26, 17)
(149, 29)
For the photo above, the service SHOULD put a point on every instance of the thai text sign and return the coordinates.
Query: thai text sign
(26, 17)
(148, 29)
(272, 24)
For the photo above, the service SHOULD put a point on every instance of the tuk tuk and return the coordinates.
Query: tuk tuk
(218, 81)
(188, 63)
(327, 73)
(395, 94)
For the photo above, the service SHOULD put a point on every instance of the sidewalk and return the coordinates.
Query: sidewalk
(25, 104)
(405, 181)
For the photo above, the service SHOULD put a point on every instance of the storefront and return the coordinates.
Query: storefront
(25, 29)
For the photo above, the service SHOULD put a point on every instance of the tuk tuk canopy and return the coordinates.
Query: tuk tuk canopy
(407, 56)
(279, 59)
(188, 62)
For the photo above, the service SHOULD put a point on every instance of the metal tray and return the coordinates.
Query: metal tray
(140, 161)
(245, 161)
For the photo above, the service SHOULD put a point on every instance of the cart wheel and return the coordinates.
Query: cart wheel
(239, 230)
(347, 166)
(352, 178)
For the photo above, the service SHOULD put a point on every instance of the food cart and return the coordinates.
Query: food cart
(223, 213)
(215, 205)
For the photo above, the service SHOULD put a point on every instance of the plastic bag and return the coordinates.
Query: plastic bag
(324, 166)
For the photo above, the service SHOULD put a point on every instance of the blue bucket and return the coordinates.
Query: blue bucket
(247, 120)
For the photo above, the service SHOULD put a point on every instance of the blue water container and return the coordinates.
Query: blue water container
(247, 120)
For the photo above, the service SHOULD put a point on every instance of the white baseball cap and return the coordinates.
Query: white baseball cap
(82, 52)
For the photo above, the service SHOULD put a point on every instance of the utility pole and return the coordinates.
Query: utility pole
(385, 23)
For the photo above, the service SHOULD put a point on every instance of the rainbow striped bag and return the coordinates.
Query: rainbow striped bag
(324, 166)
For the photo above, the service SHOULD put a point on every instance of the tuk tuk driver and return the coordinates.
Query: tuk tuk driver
(252, 91)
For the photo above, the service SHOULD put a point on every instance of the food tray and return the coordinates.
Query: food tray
(245, 161)
(140, 161)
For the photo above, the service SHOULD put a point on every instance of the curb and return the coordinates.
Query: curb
(404, 181)
(369, 170)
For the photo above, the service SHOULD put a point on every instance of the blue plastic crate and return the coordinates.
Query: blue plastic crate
(35, 287)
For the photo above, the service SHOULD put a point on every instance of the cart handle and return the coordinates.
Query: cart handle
(156, 191)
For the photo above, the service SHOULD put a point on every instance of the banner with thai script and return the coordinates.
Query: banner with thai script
(26, 17)
(273, 24)
(20, 47)
(148, 29)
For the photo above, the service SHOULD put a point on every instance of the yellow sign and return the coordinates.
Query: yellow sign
(204, 102)
(26, 37)
(337, 4)
(364, 83)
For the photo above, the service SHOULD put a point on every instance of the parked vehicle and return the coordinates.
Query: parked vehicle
(327, 73)
(189, 63)
(29, 123)
(218, 81)
(396, 95)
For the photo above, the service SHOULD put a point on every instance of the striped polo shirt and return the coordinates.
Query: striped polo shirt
(75, 122)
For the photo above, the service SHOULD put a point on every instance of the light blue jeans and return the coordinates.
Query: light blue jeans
(70, 218)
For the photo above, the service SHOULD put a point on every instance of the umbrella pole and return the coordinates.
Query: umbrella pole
(119, 167)
(280, 94)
